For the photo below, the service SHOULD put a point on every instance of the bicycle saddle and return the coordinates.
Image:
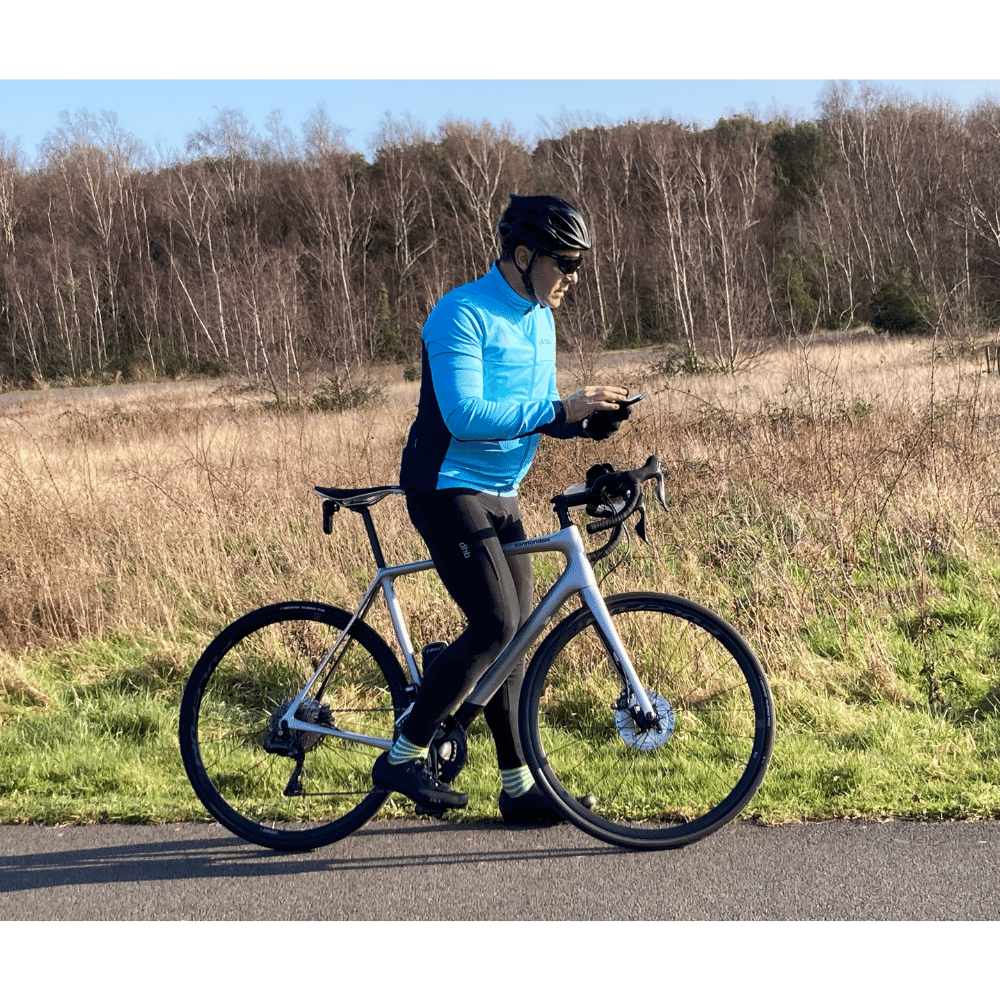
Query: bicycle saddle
(357, 499)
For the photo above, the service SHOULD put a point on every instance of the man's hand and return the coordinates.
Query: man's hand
(603, 423)
(591, 398)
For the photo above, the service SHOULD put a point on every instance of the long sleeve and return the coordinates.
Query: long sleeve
(479, 404)
(487, 391)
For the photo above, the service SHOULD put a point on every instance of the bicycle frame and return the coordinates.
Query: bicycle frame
(577, 578)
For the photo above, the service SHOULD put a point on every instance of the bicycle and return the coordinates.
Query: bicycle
(650, 701)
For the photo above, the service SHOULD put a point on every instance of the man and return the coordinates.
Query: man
(488, 389)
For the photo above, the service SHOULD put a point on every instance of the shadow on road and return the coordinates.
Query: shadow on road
(228, 857)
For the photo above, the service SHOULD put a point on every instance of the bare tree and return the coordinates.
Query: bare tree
(978, 208)
(670, 228)
(337, 219)
(96, 163)
(194, 224)
(10, 212)
(405, 182)
(486, 164)
(274, 254)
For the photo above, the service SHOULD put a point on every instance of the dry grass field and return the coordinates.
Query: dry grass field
(838, 502)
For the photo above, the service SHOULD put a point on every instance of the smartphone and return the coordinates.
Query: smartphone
(632, 399)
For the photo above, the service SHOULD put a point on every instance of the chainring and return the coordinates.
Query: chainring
(448, 751)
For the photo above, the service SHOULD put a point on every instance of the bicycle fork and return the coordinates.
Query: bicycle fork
(619, 655)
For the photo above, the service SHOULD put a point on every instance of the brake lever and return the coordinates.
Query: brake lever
(640, 527)
(634, 495)
(659, 492)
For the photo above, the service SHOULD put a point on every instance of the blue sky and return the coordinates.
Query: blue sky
(166, 70)
(162, 114)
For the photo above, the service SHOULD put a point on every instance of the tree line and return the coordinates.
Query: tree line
(273, 255)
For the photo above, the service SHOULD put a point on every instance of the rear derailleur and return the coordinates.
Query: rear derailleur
(295, 743)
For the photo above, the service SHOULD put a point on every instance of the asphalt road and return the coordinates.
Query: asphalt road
(433, 870)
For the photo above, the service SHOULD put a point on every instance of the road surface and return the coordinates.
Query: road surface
(433, 870)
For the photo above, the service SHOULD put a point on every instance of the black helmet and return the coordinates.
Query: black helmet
(544, 223)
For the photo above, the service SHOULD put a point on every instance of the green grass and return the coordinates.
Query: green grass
(88, 734)
(881, 710)
(857, 553)
(892, 715)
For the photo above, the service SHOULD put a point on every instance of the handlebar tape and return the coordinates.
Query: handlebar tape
(632, 483)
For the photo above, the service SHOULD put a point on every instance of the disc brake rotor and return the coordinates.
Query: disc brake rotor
(292, 742)
(635, 730)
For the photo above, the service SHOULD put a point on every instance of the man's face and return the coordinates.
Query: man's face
(549, 282)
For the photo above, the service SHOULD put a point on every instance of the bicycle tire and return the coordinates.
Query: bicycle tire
(230, 707)
(660, 789)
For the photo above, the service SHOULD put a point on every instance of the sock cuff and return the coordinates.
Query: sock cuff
(517, 780)
(403, 750)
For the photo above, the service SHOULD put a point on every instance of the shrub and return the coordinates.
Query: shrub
(897, 307)
(337, 397)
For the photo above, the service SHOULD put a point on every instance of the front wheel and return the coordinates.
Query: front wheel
(289, 789)
(661, 782)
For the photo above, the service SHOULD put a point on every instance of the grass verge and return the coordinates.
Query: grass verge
(839, 505)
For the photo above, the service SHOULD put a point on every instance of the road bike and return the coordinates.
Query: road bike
(654, 704)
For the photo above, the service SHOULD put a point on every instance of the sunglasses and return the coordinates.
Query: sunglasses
(568, 265)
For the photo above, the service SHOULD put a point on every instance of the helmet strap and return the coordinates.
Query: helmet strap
(526, 275)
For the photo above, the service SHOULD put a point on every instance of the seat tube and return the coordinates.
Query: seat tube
(392, 602)
(399, 627)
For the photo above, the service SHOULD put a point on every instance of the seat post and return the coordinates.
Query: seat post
(366, 515)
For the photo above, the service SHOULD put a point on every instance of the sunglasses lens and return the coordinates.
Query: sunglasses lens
(569, 265)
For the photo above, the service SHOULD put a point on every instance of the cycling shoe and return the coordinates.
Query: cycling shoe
(534, 808)
(413, 780)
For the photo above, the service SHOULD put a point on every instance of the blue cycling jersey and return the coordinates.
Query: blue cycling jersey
(488, 388)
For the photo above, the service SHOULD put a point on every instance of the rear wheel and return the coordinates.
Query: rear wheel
(661, 783)
(284, 788)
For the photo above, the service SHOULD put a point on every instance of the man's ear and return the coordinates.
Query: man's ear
(522, 256)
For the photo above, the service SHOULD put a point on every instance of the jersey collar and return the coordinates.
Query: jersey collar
(516, 303)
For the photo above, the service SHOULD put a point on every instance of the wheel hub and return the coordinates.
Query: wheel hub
(637, 731)
(280, 739)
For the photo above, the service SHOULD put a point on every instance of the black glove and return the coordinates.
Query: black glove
(603, 423)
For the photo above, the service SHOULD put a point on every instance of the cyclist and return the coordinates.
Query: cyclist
(488, 389)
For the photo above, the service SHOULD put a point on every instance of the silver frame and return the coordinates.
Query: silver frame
(577, 578)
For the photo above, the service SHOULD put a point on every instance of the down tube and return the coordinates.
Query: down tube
(562, 590)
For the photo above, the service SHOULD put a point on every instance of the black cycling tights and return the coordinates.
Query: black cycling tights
(464, 531)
